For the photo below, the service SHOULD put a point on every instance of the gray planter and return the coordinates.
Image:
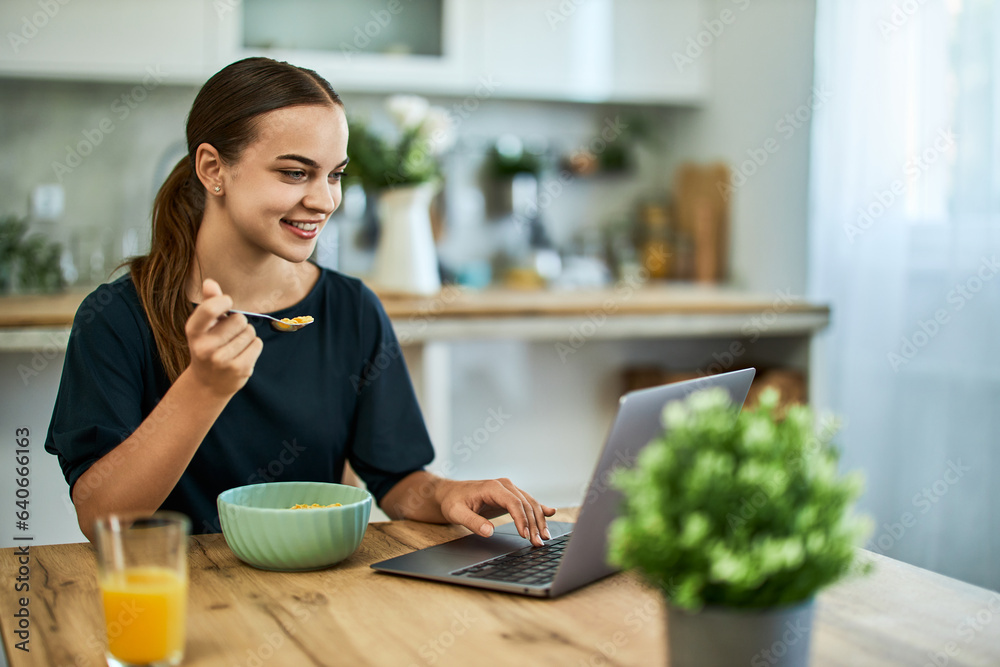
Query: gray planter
(726, 637)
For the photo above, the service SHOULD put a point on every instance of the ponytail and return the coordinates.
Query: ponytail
(161, 276)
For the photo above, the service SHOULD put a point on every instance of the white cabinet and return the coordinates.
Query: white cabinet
(575, 50)
(593, 51)
(386, 46)
(112, 40)
(652, 40)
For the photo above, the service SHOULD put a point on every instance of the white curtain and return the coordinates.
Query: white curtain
(904, 246)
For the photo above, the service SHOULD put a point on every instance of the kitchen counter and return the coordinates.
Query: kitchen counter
(29, 323)
(349, 614)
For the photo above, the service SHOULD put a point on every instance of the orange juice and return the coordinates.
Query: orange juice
(145, 609)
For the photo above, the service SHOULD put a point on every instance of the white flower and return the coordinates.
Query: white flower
(408, 111)
(438, 130)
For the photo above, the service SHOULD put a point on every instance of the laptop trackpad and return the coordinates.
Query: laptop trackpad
(465, 551)
(503, 541)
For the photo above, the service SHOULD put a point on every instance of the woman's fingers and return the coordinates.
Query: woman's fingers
(464, 516)
(539, 513)
(521, 510)
(204, 345)
(207, 314)
(224, 348)
(210, 288)
(236, 345)
(248, 357)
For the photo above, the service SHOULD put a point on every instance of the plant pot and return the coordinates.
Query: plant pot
(406, 259)
(724, 636)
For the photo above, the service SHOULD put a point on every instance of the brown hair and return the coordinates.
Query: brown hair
(224, 115)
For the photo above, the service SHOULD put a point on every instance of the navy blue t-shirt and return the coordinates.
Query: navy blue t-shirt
(336, 389)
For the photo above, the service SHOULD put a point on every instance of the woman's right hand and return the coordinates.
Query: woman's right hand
(224, 348)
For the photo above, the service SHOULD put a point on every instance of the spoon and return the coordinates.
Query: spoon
(284, 325)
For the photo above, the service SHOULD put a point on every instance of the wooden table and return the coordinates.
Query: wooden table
(350, 615)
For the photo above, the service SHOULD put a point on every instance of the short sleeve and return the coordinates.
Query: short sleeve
(99, 402)
(390, 438)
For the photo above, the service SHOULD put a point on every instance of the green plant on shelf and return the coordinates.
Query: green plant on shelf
(407, 153)
(738, 510)
(508, 157)
(28, 262)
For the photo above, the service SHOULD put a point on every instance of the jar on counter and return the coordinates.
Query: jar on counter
(656, 247)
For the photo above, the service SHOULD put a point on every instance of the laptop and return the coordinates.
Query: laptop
(575, 555)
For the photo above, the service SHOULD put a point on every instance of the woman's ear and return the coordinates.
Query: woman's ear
(208, 165)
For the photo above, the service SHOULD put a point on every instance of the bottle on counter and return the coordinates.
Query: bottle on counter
(656, 248)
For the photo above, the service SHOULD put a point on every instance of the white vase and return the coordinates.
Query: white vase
(406, 260)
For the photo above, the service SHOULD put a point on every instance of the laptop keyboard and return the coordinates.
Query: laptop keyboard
(531, 565)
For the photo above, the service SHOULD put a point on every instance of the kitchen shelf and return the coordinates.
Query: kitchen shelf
(652, 311)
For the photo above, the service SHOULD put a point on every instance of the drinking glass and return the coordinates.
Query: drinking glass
(143, 577)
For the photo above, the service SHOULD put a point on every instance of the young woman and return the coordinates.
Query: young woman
(166, 399)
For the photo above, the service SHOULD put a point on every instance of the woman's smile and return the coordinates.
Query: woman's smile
(306, 229)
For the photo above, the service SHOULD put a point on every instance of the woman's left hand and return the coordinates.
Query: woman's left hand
(472, 504)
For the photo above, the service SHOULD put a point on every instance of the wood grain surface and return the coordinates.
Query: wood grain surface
(454, 302)
(351, 615)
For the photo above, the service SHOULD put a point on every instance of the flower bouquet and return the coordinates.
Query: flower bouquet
(400, 169)
(408, 152)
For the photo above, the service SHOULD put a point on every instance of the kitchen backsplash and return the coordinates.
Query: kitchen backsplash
(121, 139)
(110, 150)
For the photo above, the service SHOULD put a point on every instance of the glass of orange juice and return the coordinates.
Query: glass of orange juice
(143, 577)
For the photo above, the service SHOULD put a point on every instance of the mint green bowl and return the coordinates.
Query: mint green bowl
(263, 531)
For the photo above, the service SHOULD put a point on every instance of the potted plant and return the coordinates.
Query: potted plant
(29, 263)
(399, 168)
(739, 520)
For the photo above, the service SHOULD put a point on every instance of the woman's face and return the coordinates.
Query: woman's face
(283, 188)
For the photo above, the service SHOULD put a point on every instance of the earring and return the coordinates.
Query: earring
(218, 188)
